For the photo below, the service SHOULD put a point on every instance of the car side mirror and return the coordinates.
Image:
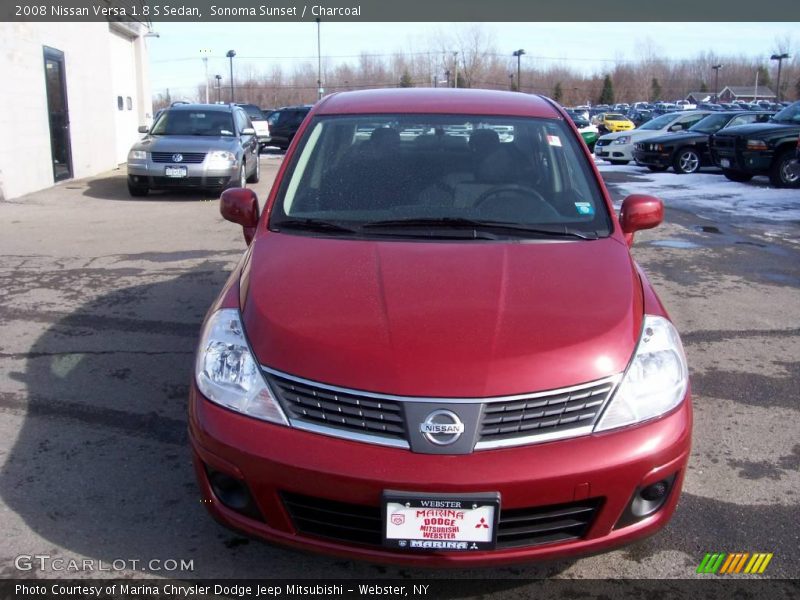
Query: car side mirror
(240, 205)
(248, 131)
(676, 127)
(143, 129)
(640, 212)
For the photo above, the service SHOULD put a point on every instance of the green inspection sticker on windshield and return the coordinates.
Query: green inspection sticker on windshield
(584, 208)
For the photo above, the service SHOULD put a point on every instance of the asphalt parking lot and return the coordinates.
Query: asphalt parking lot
(101, 298)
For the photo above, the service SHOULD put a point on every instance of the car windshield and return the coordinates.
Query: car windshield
(253, 112)
(425, 175)
(194, 122)
(790, 114)
(613, 117)
(710, 124)
(659, 122)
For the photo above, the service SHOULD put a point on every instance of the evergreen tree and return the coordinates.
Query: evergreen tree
(655, 90)
(558, 93)
(703, 87)
(607, 95)
(763, 77)
(405, 80)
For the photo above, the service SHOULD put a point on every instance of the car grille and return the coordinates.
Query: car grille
(380, 419)
(349, 411)
(723, 141)
(190, 158)
(543, 414)
(517, 527)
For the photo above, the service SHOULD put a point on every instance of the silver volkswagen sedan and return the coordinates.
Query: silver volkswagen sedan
(209, 146)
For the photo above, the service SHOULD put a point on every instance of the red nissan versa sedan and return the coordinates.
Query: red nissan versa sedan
(437, 349)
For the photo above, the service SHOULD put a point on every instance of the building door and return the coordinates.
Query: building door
(56, 86)
(125, 101)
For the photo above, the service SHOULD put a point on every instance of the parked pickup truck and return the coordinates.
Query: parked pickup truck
(760, 149)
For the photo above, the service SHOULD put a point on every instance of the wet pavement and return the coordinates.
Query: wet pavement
(101, 298)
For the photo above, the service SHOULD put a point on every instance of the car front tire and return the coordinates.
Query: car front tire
(256, 174)
(686, 161)
(138, 190)
(779, 174)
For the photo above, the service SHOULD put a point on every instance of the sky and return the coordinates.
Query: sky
(175, 59)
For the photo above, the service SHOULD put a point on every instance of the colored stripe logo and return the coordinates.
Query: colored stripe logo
(723, 563)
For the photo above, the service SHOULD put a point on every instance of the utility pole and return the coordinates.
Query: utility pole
(455, 66)
(716, 82)
(219, 86)
(518, 54)
(204, 54)
(755, 89)
(319, 63)
(780, 58)
(230, 55)
(511, 81)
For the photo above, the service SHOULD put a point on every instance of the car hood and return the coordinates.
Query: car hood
(441, 319)
(756, 128)
(677, 138)
(184, 143)
(635, 134)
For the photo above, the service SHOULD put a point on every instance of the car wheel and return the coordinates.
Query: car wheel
(780, 174)
(737, 175)
(138, 190)
(686, 161)
(256, 174)
(241, 180)
(657, 168)
(619, 162)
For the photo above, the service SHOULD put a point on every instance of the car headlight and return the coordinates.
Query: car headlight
(623, 139)
(227, 373)
(137, 155)
(221, 159)
(656, 379)
(756, 145)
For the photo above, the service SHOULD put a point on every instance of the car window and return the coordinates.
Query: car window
(790, 114)
(273, 118)
(710, 124)
(689, 121)
(194, 122)
(659, 122)
(361, 169)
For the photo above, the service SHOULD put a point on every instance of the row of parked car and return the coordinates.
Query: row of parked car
(743, 143)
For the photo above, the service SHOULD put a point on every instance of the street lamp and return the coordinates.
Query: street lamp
(780, 58)
(518, 54)
(716, 82)
(230, 55)
(319, 63)
(219, 86)
(204, 54)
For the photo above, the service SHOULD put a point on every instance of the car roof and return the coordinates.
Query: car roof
(208, 107)
(437, 101)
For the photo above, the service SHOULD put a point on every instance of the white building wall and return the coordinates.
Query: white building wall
(25, 154)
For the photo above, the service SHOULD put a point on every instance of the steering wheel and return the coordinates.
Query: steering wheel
(525, 193)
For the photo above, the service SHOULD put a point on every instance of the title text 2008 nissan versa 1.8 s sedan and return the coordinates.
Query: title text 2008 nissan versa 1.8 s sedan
(437, 348)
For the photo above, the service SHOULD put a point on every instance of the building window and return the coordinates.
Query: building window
(130, 103)
(120, 105)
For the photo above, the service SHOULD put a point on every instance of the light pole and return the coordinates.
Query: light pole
(204, 54)
(319, 62)
(511, 81)
(230, 55)
(518, 54)
(219, 86)
(716, 82)
(780, 58)
(455, 67)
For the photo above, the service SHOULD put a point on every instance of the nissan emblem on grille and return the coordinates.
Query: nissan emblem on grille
(177, 157)
(442, 427)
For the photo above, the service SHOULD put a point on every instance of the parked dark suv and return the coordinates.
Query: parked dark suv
(284, 123)
(764, 149)
(210, 146)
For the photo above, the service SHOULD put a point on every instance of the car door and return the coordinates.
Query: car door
(249, 141)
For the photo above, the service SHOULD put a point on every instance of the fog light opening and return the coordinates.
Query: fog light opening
(233, 493)
(646, 501)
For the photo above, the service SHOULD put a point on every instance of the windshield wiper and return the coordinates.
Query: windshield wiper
(495, 226)
(309, 224)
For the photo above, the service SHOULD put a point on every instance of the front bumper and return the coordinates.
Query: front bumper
(275, 461)
(614, 151)
(654, 159)
(751, 162)
(153, 175)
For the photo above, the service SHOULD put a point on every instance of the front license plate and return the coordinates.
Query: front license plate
(443, 522)
(175, 171)
(725, 163)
